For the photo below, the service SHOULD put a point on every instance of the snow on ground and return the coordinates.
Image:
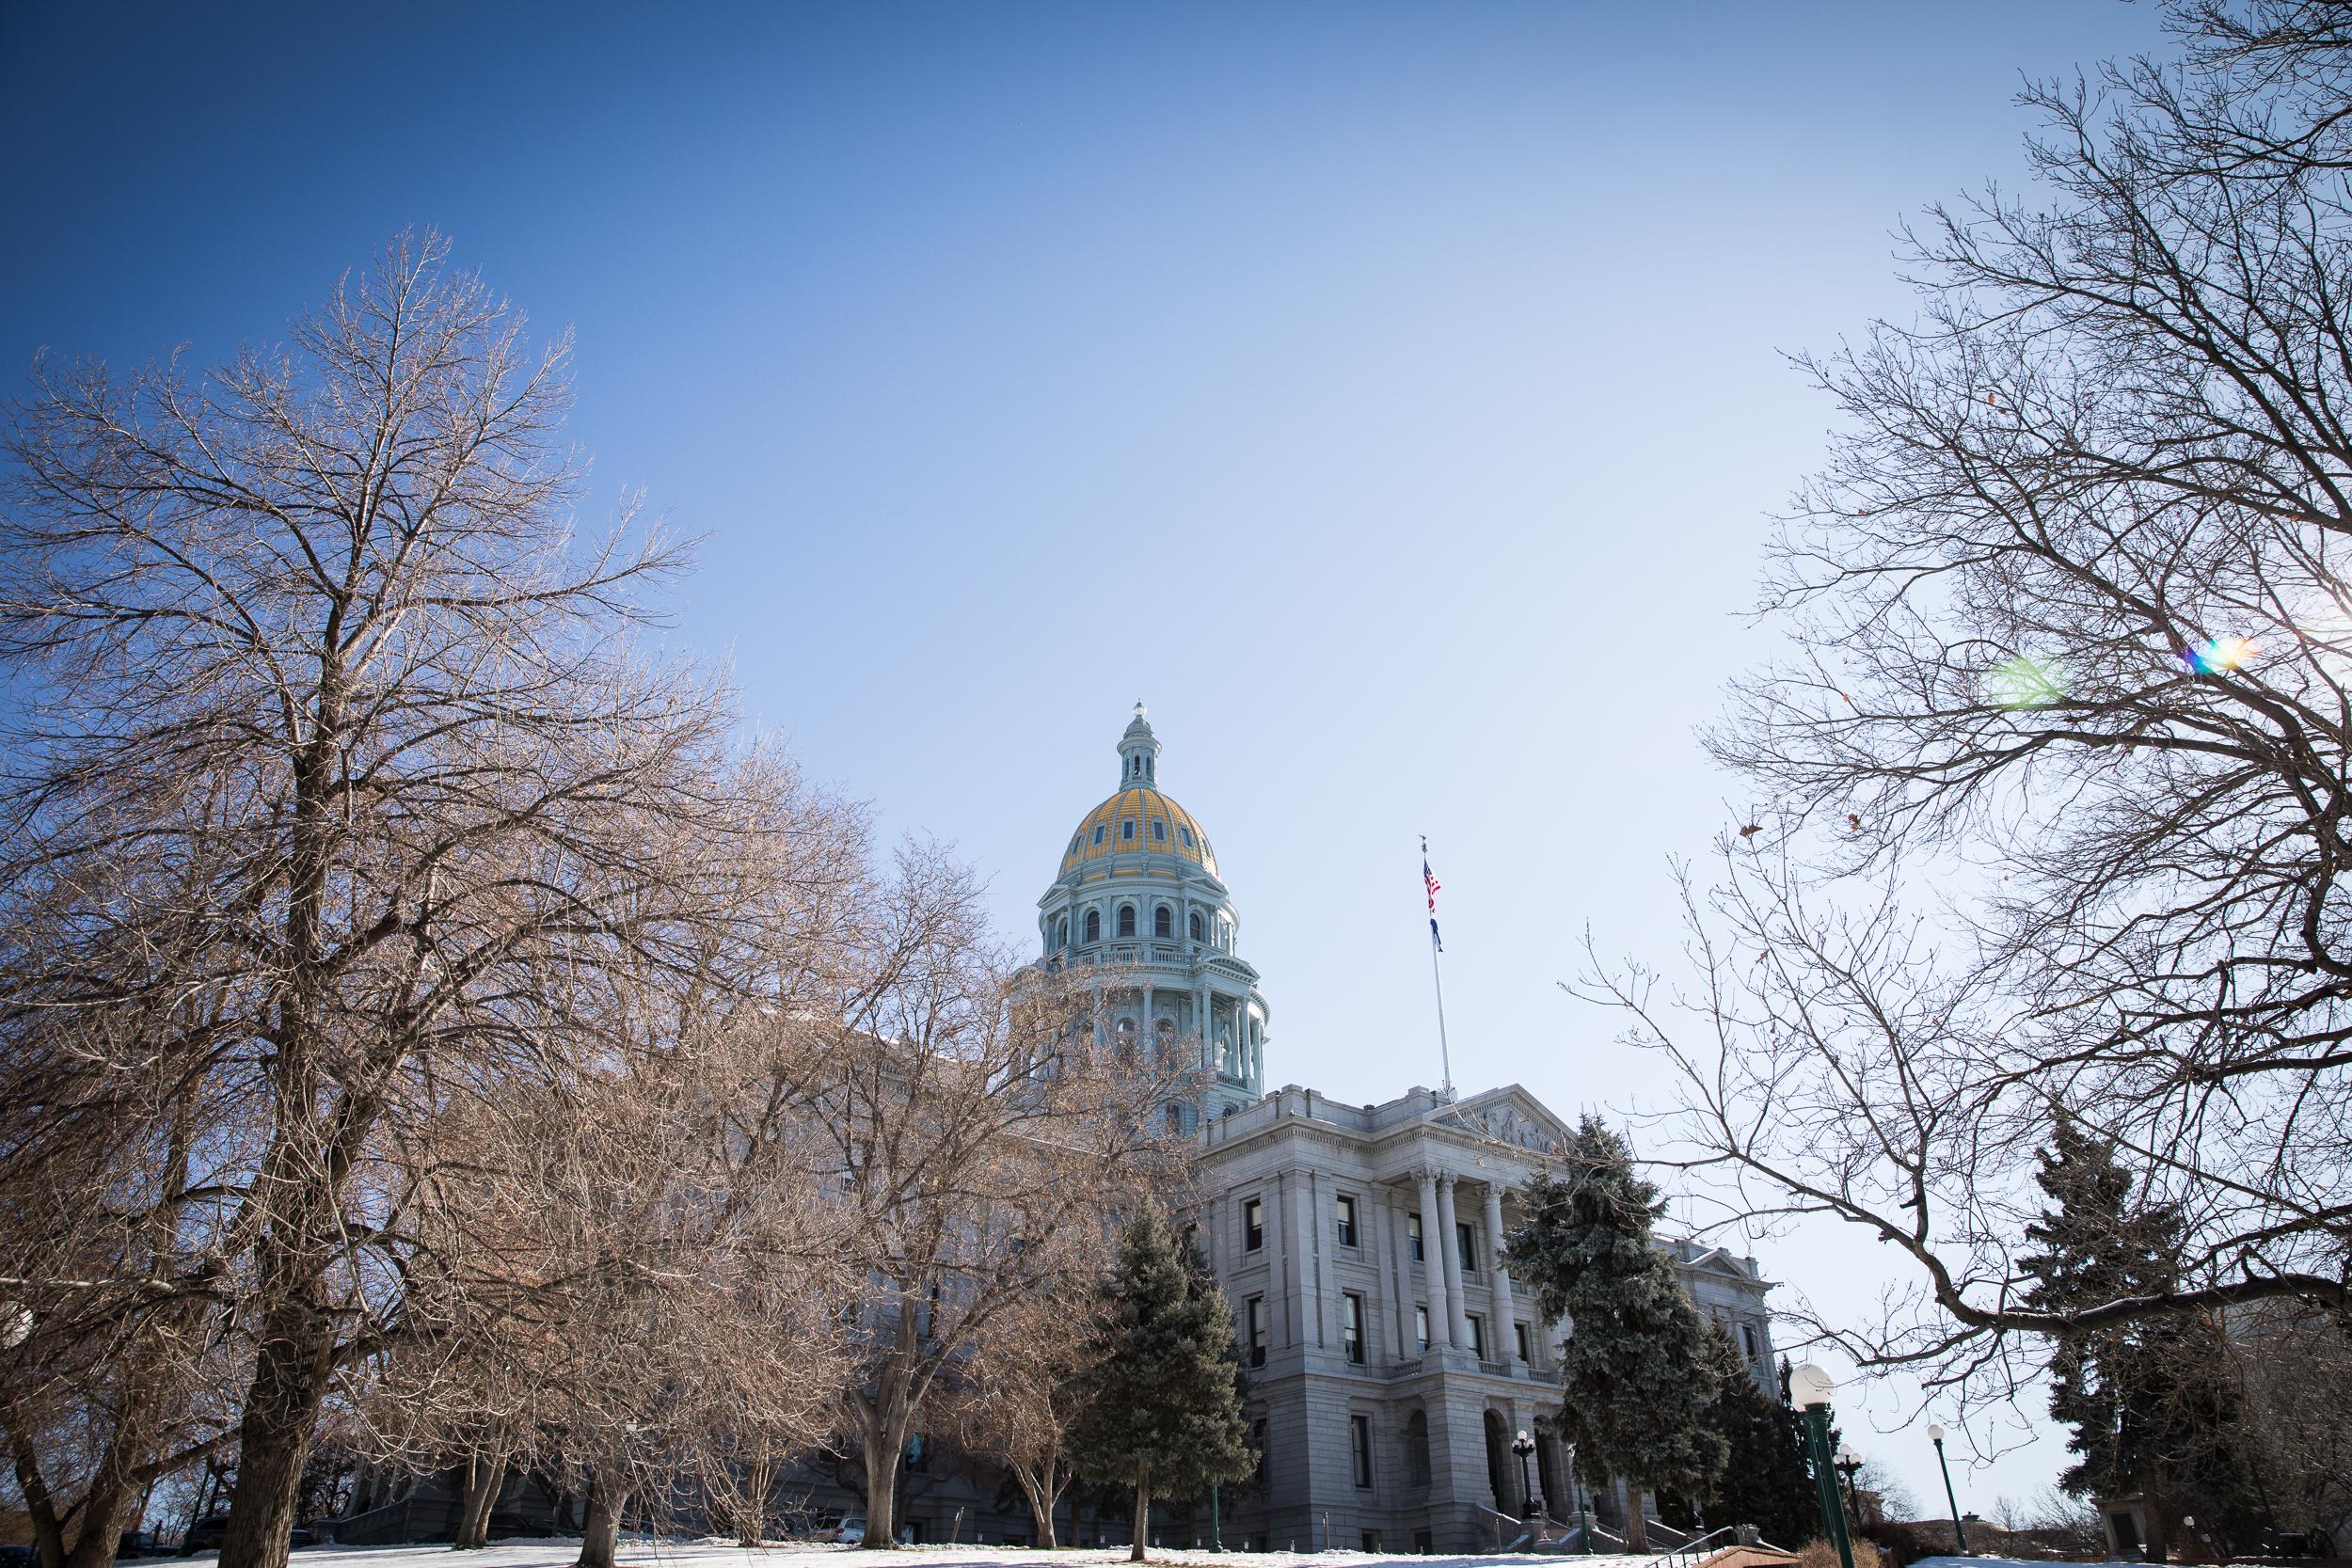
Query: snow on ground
(641, 1552)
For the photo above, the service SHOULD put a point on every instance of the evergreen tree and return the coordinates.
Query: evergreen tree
(1767, 1479)
(1634, 1367)
(1162, 1409)
(2149, 1402)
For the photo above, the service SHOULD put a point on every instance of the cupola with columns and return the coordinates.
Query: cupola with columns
(1138, 890)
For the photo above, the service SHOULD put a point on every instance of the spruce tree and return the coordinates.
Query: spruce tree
(1767, 1479)
(2149, 1402)
(1162, 1409)
(1635, 1366)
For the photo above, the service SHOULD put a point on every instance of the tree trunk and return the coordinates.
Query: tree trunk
(1143, 1510)
(48, 1536)
(886, 1440)
(1040, 1503)
(601, 1537)
(292, 1369)
(1636, 1521)
(484, 1479)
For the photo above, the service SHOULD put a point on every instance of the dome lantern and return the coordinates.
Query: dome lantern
(1139, 754)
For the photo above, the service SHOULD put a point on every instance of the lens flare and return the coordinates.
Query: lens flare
(2217, 656)
(2024, 683)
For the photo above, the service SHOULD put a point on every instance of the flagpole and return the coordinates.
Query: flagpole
(1436, 977)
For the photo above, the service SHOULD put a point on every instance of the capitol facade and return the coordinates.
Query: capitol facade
(1392, 1361)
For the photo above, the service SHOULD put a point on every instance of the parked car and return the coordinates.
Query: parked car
(137, 1543)
(205, 1535)
(848, 1531)
(19, 1557)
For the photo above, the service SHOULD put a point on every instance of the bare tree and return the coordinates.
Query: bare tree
(2050, 798)
(1015, 1398)
(332, 592)
(975, 1118)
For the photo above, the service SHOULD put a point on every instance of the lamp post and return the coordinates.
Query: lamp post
(1960, 1531)
(1810, 1387)
(1523, 1445)
(1217, 1527)
(1847, 1463)
(1584, 1530)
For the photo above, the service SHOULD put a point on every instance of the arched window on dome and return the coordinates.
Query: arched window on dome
(1193, 921)
(1061, 933)
(1094, 925)
(1126, 920)
(1162, 922)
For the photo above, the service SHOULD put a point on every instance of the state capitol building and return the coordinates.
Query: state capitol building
(1390, 1362)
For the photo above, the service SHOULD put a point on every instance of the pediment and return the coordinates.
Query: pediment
(1509, 1115)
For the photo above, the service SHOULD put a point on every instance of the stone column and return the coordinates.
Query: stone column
(1458, 1327)
(1300, 1227)
(1277, 1317)
(1435, 1273)
(1401, 1276)
(1504, 1305)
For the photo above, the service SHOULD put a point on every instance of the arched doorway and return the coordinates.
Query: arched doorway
(1498, 1460)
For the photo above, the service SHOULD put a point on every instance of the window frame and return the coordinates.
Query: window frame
(1413, 1238)
(1253, 1316)
(1466, 1243)
(1126, 923)
(1343, 1219)
(1359, 1448)
(1094, 927)
(1477, 1334)
(1253, 1225)
(1352, 1326)
(1421, 1327)
(1162, 923)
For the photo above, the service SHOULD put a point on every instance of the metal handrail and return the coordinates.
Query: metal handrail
(1689, 1550)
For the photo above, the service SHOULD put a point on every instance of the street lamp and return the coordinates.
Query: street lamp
(1810, 1387)
(1584, 1530)
(1960, 1531)
(1847, 1463)
(1523, 1445)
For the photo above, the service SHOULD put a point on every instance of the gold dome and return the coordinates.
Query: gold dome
(1138, 821)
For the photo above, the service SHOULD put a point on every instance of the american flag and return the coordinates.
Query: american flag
(1429, 881)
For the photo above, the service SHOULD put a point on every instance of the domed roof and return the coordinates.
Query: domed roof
(1138, 821)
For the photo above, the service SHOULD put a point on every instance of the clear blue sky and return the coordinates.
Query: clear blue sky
(1390, 396)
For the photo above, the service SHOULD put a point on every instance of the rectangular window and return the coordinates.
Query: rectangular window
(1252, 1223)
(1412, 1235)
(1127, 829)
(1347, 1220)
(1257, 1331)
(1747, 1333)
(918, 1457)
(1359, 1443)
(1466, 1245)
(1421, 1325)
(1518, 1333)
(1159, 832)
(1478, 1336)
(1352, 1326)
